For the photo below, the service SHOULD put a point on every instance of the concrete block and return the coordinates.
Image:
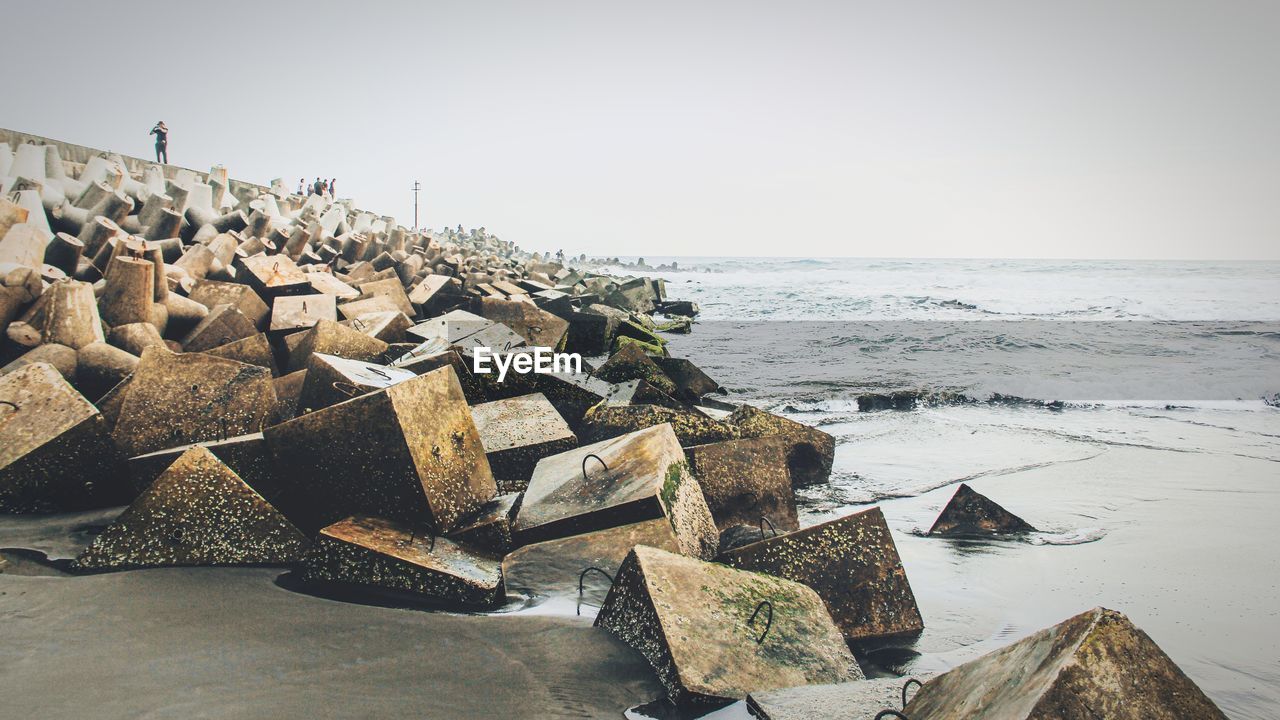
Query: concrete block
(518, 432)
(745, 480)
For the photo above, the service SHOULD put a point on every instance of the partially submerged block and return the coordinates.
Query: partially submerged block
(518, 432)
(1094, 665)
(409, 452)
(56, 452)
(693, 621)
(174, 399)
(811, 452)
(853, 565)
(331, 380)
(198, 512)
(331, 338)
(381, 553)
(745, 480)
(971, 513)
(691, 382)
(553, 567)
(639, 476)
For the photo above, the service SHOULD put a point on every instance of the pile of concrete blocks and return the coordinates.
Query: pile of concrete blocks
(270, 379)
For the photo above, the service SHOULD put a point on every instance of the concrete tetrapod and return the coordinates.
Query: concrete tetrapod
(1094, 665)
(714, 634)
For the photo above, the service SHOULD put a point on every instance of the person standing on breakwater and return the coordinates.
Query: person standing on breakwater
(162, 142)
(316, 187)
(302, 182)
(333, 187)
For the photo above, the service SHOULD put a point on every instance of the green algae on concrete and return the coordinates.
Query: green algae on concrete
(811, 452)
(1094, 665)
(198, 512)
(692, 620)
(745, 480)
(381, 553)
(853, 565)
(638, 476)
(605, 421)
(56, 452)
(632, 363)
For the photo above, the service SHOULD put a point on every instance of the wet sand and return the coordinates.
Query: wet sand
(230, 643)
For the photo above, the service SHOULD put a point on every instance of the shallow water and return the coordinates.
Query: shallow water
(1155, 488)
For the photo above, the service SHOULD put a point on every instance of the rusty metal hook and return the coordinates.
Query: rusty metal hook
(582, 576)
(766, 521)
(890, 713)
(346, 388)
(768, 621)
(13, 405)
(584, 464)
(377, 372)
(907, 685)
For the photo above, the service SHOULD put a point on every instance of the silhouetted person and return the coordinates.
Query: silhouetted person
(333, 187)
(162, 142)
(317, 187)
(302, 182)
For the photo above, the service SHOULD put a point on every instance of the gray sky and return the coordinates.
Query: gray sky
(986, 128)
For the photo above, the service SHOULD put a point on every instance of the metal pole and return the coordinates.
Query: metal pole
(416, 188)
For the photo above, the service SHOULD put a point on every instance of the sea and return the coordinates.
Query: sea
(1126, 409)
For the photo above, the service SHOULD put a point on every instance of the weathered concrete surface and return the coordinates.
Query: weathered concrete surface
(381, 553)
(689, 619)
(812, 450)
(253, 350)
(857, 700)
(409, 453)
(224, 324)
(537, 326)
(691, 382)
(489, 530)
(175, 399)
(745, 480)
(300, 312)
(969, 512)
(552, 568)
(691, 427)
(288, 390)
(518, 432)
(246, 455)
(56, 453)
(853, 565)
(631, 363)
(331, 380)
(639, 476)
(273, 276)
(1094, 665)
(212, 293)
(198, 512)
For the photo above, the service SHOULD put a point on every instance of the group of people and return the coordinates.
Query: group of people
(324, 188)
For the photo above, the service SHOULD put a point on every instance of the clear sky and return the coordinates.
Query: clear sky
(982, 128)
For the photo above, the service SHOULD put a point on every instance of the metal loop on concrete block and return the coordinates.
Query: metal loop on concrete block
(13, 405)
(766, 521)
(378, 372)
(588, 457)
(891, 713)
(907, 686)
(346, 388)
(768, 622)
(582, 576)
